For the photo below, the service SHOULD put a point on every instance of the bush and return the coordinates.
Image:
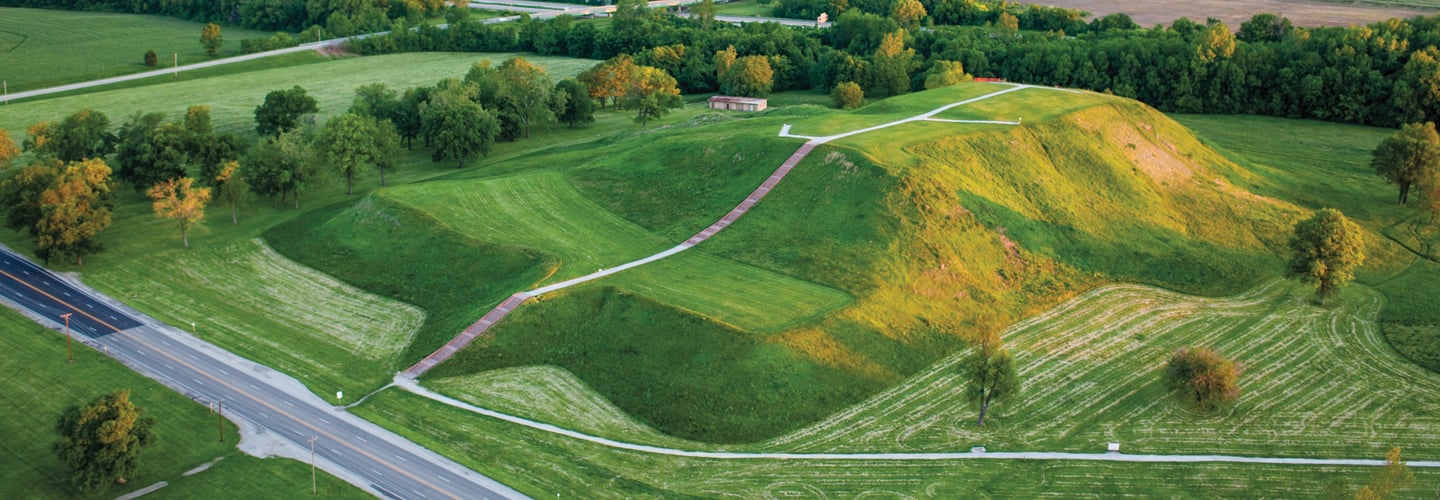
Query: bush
(848, 95)
(151, 59)
(1202, 378)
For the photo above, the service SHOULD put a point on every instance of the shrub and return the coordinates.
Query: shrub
(848, 95)
(151, 59)
(1202, 378)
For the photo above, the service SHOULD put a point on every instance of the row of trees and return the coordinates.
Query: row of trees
(339, 17)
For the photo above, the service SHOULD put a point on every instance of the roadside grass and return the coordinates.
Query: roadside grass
(274, 62)
(44, 48)
(40, 385)
(575, 468)
(744, 8)
(233, 98)
(240, 473)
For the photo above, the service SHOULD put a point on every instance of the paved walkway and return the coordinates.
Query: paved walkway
(499, 313)
(411, 386)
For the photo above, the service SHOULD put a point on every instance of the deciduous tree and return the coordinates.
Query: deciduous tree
(610, 79)
(991, 373)
(890, 69)
(529, 91)
(578, 107)
(211, 39)
(73, 211)
(908, 13)
(460, 127)
(232, 189)
(101, 442)
(280, 166)
(83, 134)
(652, 92)
(282, 110)
(179, 200)
(1202, 378)
(1327, 249)
(1409, 156)
(20, 194)
(945, 74)
(848, 95)
(8, 149)
(347, 143)
(1394, 476)
(150, 151)
(749, 76)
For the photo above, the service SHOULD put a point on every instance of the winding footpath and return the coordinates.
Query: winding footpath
(811, 142)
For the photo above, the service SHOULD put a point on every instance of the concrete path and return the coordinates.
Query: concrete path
(499, 313)
(411, 386)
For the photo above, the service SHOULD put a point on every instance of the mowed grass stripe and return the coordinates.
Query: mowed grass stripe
(544, 211)
(1318, 382)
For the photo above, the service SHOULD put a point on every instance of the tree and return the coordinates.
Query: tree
(387, 147)
(945, 74)
(20, 194)
(210, 38)
(73, 211)
(610, 79)
(848, 95)
(346, 143)
(180, 200)
(461, 128)
(1008, 22)
(908, 13)
(1216, 42)
(749, 76)
(723, 60)
(282, 110)
(280, 166)
(578, 107)
(1265, 28)
(151, 59)
(529, 91)
(891, 66)
(991, 373)
(652, 92)
(1394, 476)
(232, 189)
(1327, 249)
(705, 12)
(8, 149)
(83, 134)
(1409, 156)
(1202, 378)
(101, 442)
(150, 151)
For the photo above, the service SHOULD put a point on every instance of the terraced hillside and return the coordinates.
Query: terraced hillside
(922, 234)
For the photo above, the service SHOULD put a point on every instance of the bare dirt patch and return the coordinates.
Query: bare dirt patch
(1234, 12)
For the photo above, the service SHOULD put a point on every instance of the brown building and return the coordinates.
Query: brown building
(730, 103)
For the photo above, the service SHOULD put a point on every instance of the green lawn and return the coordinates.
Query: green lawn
(40, 385)
(233, 98)
(744, 8)
(42, 48)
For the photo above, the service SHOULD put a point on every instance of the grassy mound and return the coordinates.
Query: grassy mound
(407, 256)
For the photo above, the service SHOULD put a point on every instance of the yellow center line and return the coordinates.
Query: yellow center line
(232, 387)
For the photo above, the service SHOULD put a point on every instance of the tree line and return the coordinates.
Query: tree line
(338, 17)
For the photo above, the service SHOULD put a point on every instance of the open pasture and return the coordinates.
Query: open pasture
(43, 48)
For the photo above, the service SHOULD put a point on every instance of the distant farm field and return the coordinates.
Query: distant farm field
(44, 48)
(1300, 12)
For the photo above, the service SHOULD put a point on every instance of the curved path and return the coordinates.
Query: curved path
(510, 304)
(411, 386)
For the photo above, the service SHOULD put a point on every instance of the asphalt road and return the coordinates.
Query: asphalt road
(275, 405)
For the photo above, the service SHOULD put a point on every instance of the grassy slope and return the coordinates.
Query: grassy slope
(41, 49)
(40, 385)
(1322, 165)
(918, 242)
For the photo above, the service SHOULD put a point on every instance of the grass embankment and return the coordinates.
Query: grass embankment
(1320, 165)
(213, 283)
(39, 386)
(42, 48)
(948, 236)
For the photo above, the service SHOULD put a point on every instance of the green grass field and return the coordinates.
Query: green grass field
(40, 385)
(40, 49)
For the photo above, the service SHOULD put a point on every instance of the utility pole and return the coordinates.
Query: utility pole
(69, 353)
(313, 489)
(177, 63)
(220, 418)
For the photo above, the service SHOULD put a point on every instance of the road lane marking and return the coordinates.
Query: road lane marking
(292, 405)
(141, 341)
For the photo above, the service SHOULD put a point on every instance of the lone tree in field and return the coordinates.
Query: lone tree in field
(101, 443)
(151, 59)
(1327, 250)
(848, 95)
(210, 38)
(1387, 480)
(73, 211)
(282, 110)
(992, 375)
(1409, 156)
(1202, 378)
(233, 189)
(179, 200)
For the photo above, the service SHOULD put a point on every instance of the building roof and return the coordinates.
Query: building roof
(737, 100)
